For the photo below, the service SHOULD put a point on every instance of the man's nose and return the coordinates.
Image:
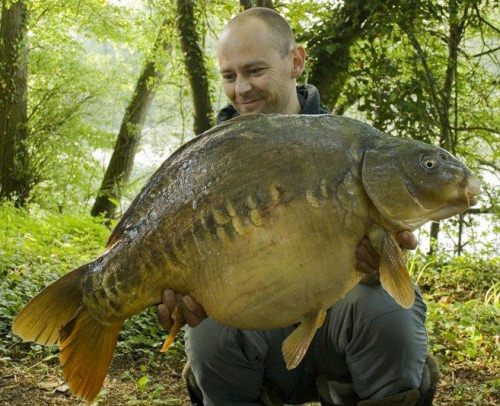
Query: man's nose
(242, 85)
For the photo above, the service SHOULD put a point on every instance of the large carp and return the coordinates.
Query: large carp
(258, 219)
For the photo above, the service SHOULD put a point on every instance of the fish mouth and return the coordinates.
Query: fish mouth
(461, 200)
(472, 190)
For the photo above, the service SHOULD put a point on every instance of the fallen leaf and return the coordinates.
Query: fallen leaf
(49, 386)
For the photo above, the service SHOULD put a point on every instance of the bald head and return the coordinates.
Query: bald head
(259, 63)
(280, 33)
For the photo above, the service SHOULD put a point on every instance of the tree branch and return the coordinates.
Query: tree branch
(428, 73)
(491, 130)
(488, 164)
(483, 210)
(490, 51)
(478, 14)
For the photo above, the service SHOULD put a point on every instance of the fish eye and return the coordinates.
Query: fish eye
(429, 163)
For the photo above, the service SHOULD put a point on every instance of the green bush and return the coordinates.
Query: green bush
(37, 248)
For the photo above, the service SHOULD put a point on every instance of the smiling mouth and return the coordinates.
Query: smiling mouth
(249, 101)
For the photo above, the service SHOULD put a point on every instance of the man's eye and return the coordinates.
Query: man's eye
(256, 71)
(228, 78)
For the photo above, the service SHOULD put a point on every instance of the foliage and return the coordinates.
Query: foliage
(425, 70)
(36, 248)
(76, 63)
(463, 303)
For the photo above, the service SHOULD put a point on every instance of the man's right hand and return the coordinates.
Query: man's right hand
(192, 312)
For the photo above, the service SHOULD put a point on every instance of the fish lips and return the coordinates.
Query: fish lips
(473, 190)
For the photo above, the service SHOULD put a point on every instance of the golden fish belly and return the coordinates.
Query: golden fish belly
(300, 260)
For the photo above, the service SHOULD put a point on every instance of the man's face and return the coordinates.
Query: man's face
(255, 75)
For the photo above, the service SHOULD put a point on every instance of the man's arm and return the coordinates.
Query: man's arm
(368, 262)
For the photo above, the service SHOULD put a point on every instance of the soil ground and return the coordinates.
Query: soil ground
(129, 382)
(34, 382)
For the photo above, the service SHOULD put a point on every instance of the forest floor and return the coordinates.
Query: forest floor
(39, 382)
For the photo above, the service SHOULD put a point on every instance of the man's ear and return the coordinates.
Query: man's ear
(298, 61)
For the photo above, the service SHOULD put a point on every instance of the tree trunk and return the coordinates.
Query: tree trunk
(460, 244)
(246, 4)
(195, 66)
(265, 3)
(121, 163)
(14, 162)
(433, 240)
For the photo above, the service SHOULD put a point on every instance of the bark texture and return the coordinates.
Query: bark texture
(246, 4)
(195, 66)
(14, 158)
(122, 160)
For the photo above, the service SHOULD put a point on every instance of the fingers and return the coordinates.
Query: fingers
(192, 312)
(370, 279)
(164, 316)
(407, 240)
(368, 260)
(169, 299)
(166, 309)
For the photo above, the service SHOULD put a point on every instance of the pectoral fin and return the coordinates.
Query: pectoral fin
(178, 323)
(394, 275)
(296, 344)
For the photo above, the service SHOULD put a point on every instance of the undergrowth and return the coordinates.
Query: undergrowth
(462, 294)
(36, 248)
(463, 303)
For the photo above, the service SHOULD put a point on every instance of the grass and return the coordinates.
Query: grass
(462, 293)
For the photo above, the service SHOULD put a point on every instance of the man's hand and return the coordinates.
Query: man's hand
(192, 312)
(369, 260)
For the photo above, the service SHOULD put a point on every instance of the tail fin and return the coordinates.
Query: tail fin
(44, 316)
(56, 314)
(87, 347)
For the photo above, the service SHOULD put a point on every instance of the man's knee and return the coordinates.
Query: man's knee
(211, 343)
(226, 363)
(204, 339)
(384, 345)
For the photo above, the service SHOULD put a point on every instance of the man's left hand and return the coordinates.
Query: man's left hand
(368, 260)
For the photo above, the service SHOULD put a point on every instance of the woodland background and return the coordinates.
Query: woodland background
(95, 94)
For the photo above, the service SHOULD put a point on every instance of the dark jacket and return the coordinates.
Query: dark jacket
(308, 98)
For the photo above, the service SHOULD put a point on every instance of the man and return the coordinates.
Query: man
(369, 349)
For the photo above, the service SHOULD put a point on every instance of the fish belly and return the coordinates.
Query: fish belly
(299, 261)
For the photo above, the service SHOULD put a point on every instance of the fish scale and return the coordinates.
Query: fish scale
(258, 220)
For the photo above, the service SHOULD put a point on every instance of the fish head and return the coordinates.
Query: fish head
(410, 183)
